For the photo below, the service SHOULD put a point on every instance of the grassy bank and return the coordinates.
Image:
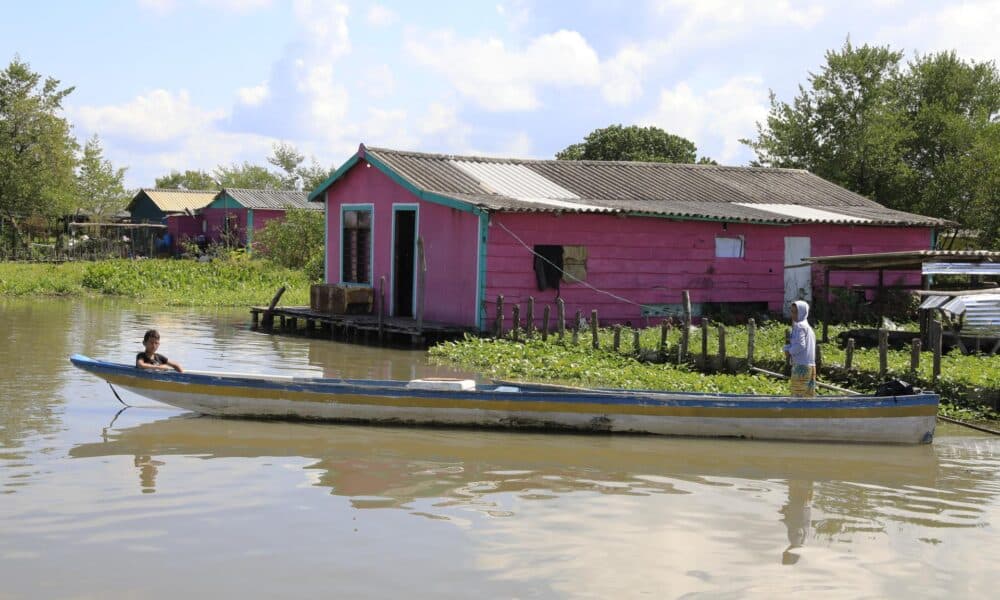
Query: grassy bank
(166, 282)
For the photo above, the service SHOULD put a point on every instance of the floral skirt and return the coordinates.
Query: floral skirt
(803, 380)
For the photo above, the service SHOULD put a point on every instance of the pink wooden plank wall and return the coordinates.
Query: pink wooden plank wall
(449, 242)
(650, 261)
(183, 226)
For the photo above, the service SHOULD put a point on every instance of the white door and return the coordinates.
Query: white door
(798, 274)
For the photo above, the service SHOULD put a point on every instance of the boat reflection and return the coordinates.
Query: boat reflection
(856, 487)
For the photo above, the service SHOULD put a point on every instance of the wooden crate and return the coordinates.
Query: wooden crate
(341, 300)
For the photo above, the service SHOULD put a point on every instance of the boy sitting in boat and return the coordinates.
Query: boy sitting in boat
(801, 349)
(150, 359)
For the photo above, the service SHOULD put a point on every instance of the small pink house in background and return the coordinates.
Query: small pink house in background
(623, 238)
(234, 214)
(237, 213)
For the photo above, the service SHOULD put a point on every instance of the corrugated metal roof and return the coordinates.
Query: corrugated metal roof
(271, 199)
(676, 190)
(960, 268)
(177, 200)
(806, 212)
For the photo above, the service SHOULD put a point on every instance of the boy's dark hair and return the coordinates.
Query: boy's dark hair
(152, 334)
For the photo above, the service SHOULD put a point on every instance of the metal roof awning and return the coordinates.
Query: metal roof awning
(903, 261)
(960, 268)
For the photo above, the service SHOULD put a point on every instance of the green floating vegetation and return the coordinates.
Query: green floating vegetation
(168, 282)
(580, 365)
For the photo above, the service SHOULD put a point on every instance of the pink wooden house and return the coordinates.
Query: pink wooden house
(623, 238)
(235, 214)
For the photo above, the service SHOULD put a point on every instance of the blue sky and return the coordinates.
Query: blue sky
(183, 84)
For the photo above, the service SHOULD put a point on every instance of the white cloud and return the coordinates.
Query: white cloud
(969, 28)
(717, 117)
(516, 12)
(499, 78)
(622, 75)
(159, 116)
(253, 96)
(380, 16)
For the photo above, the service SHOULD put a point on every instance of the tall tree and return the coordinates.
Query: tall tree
(247, 175)
(37, 152)
(100, 187)
(632, 143)
(188, 180)
(918, 137)
(845, 126)
(313, 175)
(287, 158)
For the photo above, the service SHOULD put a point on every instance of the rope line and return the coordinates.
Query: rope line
(569, 275)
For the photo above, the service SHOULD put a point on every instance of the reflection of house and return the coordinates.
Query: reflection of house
(235, 214)
(623, 238)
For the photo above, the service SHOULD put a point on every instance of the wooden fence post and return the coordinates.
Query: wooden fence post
(498, 333)
(515, 320)
(914, 357)
(618, 337)
(593, 328)
(751, 341)
(722, 347)
(545, 322)
(818, 356)
(561, 317)
(576, 327)
(686, 334)
(635, 342)
(664, 330)
(883, 351)
(529, 318)
(788, 359)
(936, 341)
(704, 342)
(849, 354)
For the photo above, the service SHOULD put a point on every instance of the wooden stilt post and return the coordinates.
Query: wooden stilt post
(576, 327)
(561, 317)
(751, 341)
(704, 342)
(686, 324)
(498, 327)
(883, 351)
(849, 354)
(529, 317)
(545, 322)
(515, 320)
(936, 341)
(268, 321)
(722, 347)
(914, 357)
(593, 329)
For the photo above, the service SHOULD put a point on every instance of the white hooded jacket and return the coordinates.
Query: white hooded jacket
(802, 345)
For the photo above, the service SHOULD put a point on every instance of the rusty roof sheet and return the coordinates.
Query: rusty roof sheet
(663, 189)
(176, 201)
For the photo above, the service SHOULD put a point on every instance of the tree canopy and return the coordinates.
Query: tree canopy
(188, 180)
(920, 136)
(37, 152)
(633, 143)
(100, 186)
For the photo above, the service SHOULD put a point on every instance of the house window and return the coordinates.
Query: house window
(729, 247)
(555, 264)
(356, 233)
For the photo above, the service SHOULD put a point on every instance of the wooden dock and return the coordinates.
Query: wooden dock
(301, 320)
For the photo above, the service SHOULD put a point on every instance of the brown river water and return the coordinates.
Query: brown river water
(158, 503)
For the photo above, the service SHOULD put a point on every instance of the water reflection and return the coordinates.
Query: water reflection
(857, 487)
